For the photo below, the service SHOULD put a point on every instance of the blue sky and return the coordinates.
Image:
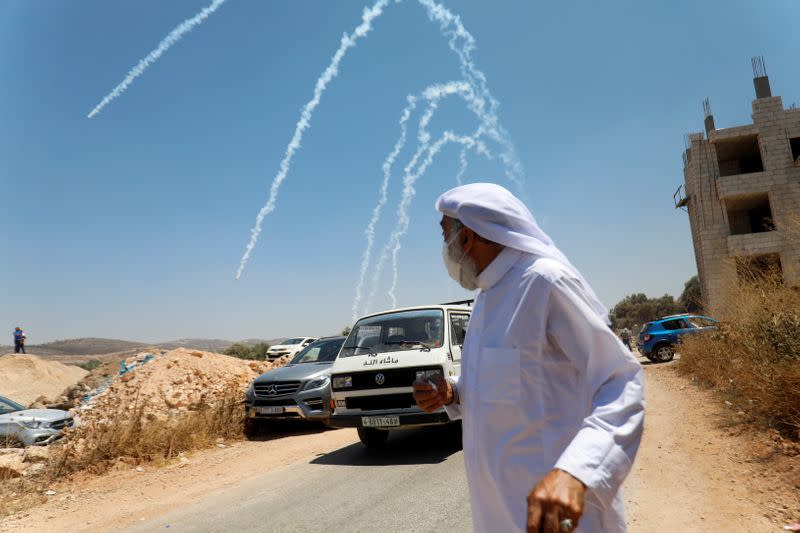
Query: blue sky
(131, 225)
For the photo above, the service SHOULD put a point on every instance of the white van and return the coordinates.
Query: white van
(371, 379)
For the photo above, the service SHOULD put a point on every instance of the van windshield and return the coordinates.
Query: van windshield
(394, 332)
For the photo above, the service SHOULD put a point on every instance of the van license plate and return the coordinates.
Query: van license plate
(270, 410)
(380, 421)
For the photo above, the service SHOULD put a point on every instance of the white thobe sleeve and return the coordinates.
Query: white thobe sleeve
(601, 453)
(454, 409)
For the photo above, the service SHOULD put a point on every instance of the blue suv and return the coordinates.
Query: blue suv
(657, 339)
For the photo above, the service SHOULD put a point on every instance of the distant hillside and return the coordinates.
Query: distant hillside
(207, 345)
(97, 346)
(88, 346)
(253, 342)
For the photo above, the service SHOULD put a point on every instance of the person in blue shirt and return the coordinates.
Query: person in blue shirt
(19, 340)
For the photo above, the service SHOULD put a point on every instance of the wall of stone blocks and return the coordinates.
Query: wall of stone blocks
(715, 248)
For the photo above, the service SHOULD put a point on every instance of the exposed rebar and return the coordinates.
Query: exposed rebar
(759, 67)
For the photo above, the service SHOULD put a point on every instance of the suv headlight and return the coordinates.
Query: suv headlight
(31, 424)
(317, 383)
(251, 391)
(422, 374)
(342, 382)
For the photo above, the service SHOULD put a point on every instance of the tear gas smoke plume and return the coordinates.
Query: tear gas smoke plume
(173, 37)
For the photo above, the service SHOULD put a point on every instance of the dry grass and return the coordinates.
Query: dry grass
(19, 495)
(130, 437)
(126, 437)
(754, 357)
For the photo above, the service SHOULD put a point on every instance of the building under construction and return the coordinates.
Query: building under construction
(742, 192)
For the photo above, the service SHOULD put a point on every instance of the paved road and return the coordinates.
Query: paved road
(416, 484)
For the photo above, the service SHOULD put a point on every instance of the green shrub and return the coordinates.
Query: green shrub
(252, 353)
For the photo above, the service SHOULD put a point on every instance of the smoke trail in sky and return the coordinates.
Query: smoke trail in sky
(173, 37)
(410, 178)
(452, 27)
(462, 169)
(472, 142)
(348, 41)
(433, 94)
(469, 142)
(462, 43)
(382, 198)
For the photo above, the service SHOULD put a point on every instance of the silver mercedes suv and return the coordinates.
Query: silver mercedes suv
(299, 390)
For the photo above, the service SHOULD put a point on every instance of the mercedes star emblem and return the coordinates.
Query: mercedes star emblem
(272, 390)
(380, 379)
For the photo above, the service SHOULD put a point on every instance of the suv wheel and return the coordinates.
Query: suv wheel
(663, 353)
(252, 428)
(372, 438)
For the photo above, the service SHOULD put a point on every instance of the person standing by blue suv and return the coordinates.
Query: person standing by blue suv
(658, 339)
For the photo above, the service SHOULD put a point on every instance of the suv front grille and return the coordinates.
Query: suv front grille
(276, 388)
(400, 377)
(381, 402)
(59, 424)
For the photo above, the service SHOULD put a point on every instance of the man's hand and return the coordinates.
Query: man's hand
(428, 398)
(556, 497)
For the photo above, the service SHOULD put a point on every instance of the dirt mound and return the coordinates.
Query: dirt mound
(24, 378)
(163, 384)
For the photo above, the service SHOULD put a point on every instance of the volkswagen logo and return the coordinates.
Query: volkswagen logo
(380, 379)
(272, 390)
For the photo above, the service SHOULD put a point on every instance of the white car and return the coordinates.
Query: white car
(380, 360)
(31, 426)
(290, 347)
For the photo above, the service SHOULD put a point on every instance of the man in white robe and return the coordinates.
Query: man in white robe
(552, 403)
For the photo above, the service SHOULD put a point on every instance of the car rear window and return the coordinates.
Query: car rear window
(648, 327)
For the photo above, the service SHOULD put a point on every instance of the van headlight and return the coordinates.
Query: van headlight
(342, 382)
(422, 374)
(317, 383)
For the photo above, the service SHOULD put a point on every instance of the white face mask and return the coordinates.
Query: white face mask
(462, 270)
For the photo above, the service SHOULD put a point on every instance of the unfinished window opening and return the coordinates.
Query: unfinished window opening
(750, 214)
(794, 144)
(760, 269)
(739, 155)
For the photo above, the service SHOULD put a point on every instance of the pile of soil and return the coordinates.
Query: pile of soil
(24, 378)
(176, 381)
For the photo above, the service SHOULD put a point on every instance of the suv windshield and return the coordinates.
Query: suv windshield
(324, 351)
(394, 332)
(292, 341)
(7, 406)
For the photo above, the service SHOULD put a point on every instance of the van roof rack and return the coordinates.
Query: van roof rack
(460, 302)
